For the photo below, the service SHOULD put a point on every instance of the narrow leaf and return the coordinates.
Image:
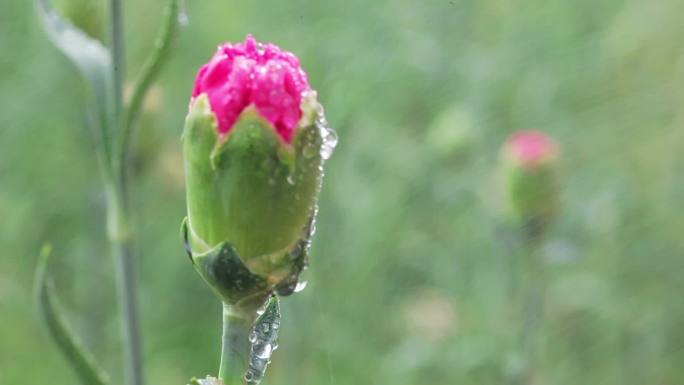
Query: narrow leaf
(82, 361)
(91, 58)
(151, 68)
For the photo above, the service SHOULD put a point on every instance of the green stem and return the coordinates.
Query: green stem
(121, 241)
(129, 311)
(237, 325)
(531, 288)
(118, 58)
(118, 214)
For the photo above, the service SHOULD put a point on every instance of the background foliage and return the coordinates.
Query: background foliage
(409, 281)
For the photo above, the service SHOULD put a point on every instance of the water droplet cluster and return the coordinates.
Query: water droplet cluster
(328, 135)
(263, 340)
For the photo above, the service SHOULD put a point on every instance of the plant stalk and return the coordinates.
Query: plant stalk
(122, 247)
(118, 59)
(237, 326)
(118, 214)
(530, 292)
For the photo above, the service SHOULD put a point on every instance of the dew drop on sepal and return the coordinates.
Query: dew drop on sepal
(301, 285)
(328, 135)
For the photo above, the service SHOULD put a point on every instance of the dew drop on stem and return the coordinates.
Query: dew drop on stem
(263, 340)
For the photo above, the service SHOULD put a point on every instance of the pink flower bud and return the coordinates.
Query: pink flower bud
(254, 143)
(251, 73)
(530, 148)
(530, 181)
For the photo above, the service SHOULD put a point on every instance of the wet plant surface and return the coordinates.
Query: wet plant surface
(411, 270)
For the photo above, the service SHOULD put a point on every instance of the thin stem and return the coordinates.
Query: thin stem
(237, 325)
(121, 241)
(128, 294)
(118, 214)
(530, 291)
(118, 59)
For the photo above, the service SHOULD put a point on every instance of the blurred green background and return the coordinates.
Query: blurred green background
(409, 277)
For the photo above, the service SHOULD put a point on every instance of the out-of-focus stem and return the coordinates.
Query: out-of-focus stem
(118, 213)
(237, 326)
(128, 290)
(118, 59)
(530, 289)
(121, 241)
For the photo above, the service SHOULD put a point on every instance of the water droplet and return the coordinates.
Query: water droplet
(309, 150)
(320, 111)
(252, 337)
(329, 143)
(265, 353)
(290, 179)
(265, 327)
(301, 286)
(249, 376)
(312, 230)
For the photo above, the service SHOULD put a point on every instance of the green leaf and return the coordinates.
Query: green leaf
(151, 68)
(82, 361)
(91, 58)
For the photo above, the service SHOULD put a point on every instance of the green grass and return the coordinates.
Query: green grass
(409, 273)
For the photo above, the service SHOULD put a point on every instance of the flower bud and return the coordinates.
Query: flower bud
(254, 144)
(530, 180)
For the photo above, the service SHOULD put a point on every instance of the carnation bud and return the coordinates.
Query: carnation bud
(530, 180)
(254, 144)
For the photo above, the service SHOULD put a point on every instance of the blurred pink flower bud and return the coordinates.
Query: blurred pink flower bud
(530, 149)
(530, 180)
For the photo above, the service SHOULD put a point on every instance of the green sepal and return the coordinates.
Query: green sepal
(533, 197)
(249, 187)
(225, 273)
(235, 283)
(252, 137)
